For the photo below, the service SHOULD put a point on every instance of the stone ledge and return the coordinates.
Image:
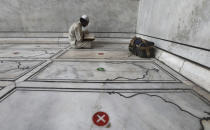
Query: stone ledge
(57, 40)
(196, 73)
(28, 40)
(63, 34)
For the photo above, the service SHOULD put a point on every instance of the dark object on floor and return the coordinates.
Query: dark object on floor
(141, 47)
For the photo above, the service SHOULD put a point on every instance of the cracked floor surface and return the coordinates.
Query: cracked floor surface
(52, 87)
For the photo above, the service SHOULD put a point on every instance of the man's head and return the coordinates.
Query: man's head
(84, 20)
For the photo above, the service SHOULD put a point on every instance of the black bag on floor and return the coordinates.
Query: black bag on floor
(141, 47)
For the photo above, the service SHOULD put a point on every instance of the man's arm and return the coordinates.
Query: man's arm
(79, 34)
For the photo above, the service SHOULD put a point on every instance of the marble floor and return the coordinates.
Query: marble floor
(54, 87)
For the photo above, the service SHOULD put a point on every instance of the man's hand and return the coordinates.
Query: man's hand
(86, 32)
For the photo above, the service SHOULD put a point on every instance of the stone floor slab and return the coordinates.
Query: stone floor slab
(110, 46)
(11, 70)
(115, 71)
(28, 53)
(74, 110)
(64, 92)
(33, 46)
(6, 83)
(84, 54)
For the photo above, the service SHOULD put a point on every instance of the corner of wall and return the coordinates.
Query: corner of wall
(138, 12)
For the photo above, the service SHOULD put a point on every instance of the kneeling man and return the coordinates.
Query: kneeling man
(77, 37)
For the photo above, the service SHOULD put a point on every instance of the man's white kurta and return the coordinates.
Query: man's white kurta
(75, 34)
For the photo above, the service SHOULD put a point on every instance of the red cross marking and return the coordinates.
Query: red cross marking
(100, 119)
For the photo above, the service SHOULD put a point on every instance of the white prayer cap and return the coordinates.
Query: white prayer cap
(85, 17)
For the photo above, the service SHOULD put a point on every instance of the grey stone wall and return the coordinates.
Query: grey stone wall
(181, 27)
(58, 15)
